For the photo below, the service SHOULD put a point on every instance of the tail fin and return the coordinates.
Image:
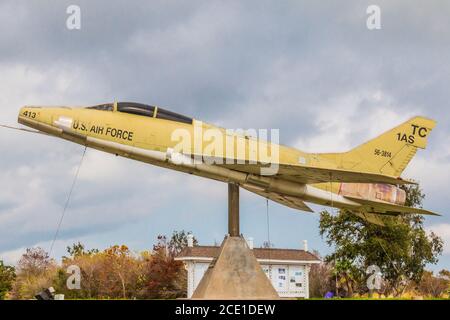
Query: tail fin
(390, 152)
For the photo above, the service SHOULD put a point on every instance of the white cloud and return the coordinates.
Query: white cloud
(25, 84)
(176, 40)
(11, 257)
(431, 167)
(348, 120)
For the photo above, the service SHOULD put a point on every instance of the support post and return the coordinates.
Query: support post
(234, 273)
(233, 210)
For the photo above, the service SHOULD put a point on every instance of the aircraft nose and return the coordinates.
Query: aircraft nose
(35, 117)
(48, 119)
(29, 112)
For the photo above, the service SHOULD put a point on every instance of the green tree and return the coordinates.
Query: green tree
(178, 241)
(7, 277)
(78, 249)
(401, 248)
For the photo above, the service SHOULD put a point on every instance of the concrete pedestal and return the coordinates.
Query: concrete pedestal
(235, 274)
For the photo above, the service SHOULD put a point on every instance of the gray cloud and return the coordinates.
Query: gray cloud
(290, 65)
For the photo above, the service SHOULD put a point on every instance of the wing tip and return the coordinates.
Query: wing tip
(407, 181)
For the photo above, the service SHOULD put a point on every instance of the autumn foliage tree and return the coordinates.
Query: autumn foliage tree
(35, 271)
(118, 273)
(90, 267)
(111, 274)
(320, 278)
(164, 276)
(114, 273)
(434, 285)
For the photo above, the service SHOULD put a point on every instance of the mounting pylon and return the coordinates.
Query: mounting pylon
(234, 273)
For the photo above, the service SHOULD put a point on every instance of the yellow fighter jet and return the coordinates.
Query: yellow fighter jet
(363, 180)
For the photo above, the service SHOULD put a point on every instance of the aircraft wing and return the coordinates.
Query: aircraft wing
(386, 208)
(308, 175)
(289, 201)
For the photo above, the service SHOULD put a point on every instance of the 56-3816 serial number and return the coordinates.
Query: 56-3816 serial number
(383, 153)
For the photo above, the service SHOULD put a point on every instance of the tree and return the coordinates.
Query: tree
(178, 241)
(164, 276)
(7, 277)
(401, 248)
(78, 249)
(34, 261)
(320, 278)
(120, 272)
(112, 273)
(36, 271)
(434, 286)
(267, 245)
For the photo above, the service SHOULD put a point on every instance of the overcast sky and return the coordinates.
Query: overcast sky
(311, 69)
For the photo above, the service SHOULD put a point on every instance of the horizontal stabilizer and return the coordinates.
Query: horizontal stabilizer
(387, 208)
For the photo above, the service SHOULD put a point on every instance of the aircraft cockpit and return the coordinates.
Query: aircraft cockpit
(143, 110)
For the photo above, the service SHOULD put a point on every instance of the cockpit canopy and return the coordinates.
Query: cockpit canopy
(143, 110)
(104, 107)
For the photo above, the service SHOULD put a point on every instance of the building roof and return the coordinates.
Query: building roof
(260, 253)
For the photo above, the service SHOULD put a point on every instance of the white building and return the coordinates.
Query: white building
(287, 269)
